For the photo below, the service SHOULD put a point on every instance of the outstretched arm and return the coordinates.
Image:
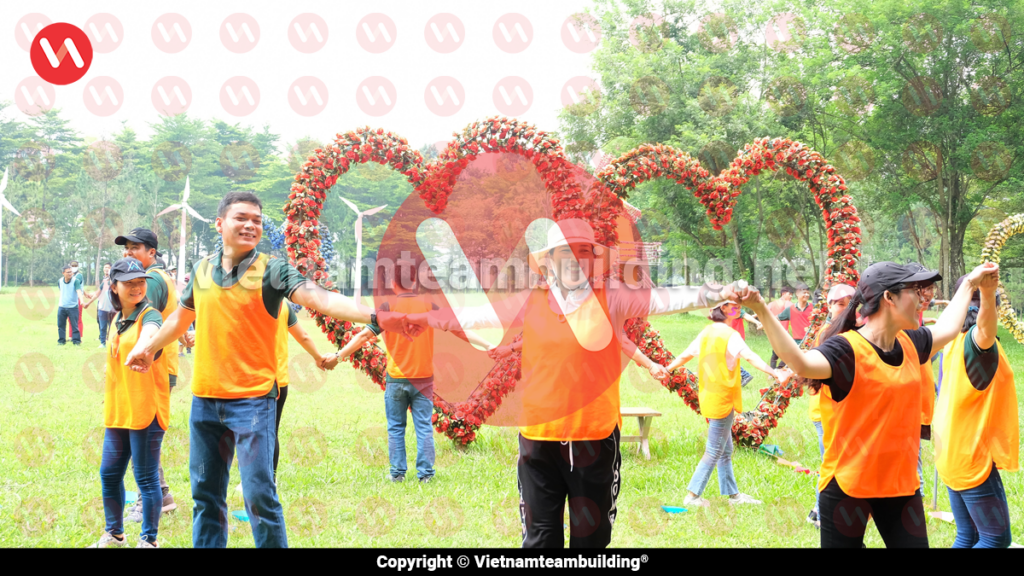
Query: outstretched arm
(302, 337)
(174, 327)
(810, 364)
(332, 304)
(952, 318)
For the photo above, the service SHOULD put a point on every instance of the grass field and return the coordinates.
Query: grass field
(334, 458)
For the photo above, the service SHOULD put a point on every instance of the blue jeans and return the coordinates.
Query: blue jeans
(717, 453)
(216, 427)
(398, 397)
(982, 515)
(821, 448)
(142, 447)
(104, 319)
(64, 315)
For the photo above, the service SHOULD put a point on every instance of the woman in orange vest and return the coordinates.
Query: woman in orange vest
(136, 409)
(976, 430)
(839, 297)
(874, 375)
(719, 348)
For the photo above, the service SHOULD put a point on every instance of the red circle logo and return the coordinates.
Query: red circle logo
(61, 53)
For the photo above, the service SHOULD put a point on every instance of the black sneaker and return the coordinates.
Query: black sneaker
(812, 517)
(426, 479)
(395, 478)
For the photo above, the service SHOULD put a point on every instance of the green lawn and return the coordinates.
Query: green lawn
(334, 458)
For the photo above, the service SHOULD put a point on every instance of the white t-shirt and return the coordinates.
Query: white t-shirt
(735, 347)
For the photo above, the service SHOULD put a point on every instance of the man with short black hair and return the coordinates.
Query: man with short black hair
(71, 296)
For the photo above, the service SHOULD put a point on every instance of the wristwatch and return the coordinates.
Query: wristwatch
(373, 318)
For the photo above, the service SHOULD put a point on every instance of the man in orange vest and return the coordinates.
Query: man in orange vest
(572, 358)
(234, 296)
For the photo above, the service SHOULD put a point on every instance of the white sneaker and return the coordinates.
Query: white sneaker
(742, 498)
(146, 544)
(108, 541)
(698, 501)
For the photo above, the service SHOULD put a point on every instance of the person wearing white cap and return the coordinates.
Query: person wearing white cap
(719, 348)
(572, 358)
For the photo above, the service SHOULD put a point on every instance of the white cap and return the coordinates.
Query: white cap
(840, 291)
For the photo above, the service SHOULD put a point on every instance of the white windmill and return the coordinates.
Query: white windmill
(4, 204)
(184, 207)
(357, 272)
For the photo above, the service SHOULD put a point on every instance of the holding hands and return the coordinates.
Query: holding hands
(500, 352)
(658, 371)
(985, 277)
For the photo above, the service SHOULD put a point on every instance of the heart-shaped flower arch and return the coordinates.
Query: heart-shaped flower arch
(601, 204)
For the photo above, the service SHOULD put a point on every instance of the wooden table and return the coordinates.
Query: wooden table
(644, 417)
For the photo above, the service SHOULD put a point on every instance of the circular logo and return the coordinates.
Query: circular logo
(716, 520)
(512, 95)
(239, 96)
(239, 32)
(94, 372)
(512, 33)
(307, 447)
(443, 517)
(646, 517)
(990, 33)
(922, 161)
(991, 161)
(990, 96)
(921, 96)
(717, 32)
(92, 446)
(33, 96)
(785, 32)
(307, 32)
(174, 451)
(581, 96)
(35, 228)
(35, 516)
(101, 226)
(171, 161)
(184, 379)
(641, 379)
(376, 33)
(915, 521)
(787, 96)
(855, 160)
(372, 446)
(308, 95)
(584, 516)
(35, 303)
(239, 161)
(105, 31)
(102, 161)
(645, 33)
(785, 516)
(171, 33)
(61, 53)
(444, 33)
(33, 372)
(171, 95)
(716, 156)
(307, 516)
(505, 517)
(581, 33)
(854, 95)
(26, 29)
(444, 95)
(376, 516)
(922, 33)
(92, 515)
(850, 517)
(581, 454)
(648, 96)
(718, 96)
(854, 33)
(304, 375)
(376, 96)
(34, 446)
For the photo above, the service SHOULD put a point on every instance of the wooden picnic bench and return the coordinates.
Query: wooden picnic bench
(644, 417)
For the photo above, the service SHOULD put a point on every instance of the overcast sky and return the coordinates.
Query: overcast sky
(342, 64)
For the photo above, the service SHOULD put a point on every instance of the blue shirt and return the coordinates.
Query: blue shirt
(69, 291)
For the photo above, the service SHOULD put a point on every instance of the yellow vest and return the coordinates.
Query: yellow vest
(720, 391)
(171, 351)
(282, 345)
(132, 399)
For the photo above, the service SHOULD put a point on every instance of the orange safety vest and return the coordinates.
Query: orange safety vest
(282, 345)
(410, 359)
(720, 390)
(236, 338)
(974, 428)
(927, 393)
(132, 399)
(874, 433)
(171, 350)
(570, 387)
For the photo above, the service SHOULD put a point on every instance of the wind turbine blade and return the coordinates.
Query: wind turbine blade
(3, 183)
(184, 198)
(194, 213)
(171, 208)
(6, 204)
(351, 205)
(374, 210)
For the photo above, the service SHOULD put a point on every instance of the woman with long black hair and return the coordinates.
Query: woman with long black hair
(874, 376)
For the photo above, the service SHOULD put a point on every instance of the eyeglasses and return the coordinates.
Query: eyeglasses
(923, 291)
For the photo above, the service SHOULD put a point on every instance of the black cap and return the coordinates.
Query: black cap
(141, 236)
(127, 269)
(882, 276)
